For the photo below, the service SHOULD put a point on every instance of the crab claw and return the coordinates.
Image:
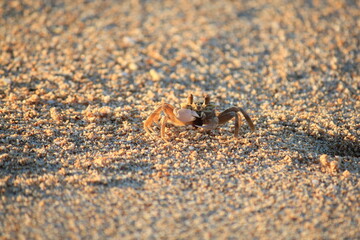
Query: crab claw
(186, 115)
(207, 127)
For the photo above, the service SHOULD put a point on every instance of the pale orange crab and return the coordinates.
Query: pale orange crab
(198, 114)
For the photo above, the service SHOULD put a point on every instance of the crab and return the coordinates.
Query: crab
(198, 114)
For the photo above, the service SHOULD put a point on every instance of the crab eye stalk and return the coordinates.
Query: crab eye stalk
(190, 99)
(206, 99)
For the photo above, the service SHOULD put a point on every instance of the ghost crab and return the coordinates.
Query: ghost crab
(198, 114)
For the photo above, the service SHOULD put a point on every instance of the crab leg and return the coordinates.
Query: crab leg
(178, 117)
(232, 112)
(224, 117)
(248, 119)
(163, 124)
(237, 124)
(154, 117)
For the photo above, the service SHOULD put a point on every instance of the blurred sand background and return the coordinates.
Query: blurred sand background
(77, 79)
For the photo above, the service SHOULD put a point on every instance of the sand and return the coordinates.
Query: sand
(78, 78)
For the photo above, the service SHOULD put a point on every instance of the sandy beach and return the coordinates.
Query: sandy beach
(78, 78)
